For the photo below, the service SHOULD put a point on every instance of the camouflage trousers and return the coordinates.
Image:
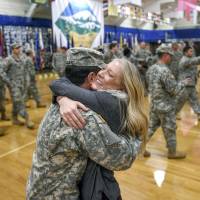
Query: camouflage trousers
(190, 95)
(17, 94)
(167, 121)
(2, 98)
(32, 91)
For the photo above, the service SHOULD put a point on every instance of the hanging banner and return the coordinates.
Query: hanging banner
(80, 20)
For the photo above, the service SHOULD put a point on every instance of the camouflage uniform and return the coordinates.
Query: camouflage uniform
(141, 57)
(188, 69)
(163, 88)
(61, 155)
(58, 63)
(32, 89)
(2, 92)
(13, 74)
(175, 63)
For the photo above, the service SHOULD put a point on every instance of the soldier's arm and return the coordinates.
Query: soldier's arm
(190, 62)
(170, 84)
(106, 148)
(3, 71)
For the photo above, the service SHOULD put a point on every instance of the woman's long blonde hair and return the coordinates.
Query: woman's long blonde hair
(136, 120)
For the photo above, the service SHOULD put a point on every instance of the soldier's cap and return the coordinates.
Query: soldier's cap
(84, 58)
(15, 45)
(165, 49)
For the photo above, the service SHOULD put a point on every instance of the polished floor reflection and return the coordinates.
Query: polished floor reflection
(154, 178)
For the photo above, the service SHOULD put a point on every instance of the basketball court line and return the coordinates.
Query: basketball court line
(17, 149)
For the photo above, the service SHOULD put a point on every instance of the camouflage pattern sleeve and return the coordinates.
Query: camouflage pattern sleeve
(170, 84)
(106, 148)
(188, 62)
(3, 71)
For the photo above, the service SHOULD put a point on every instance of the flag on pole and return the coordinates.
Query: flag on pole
(121, 40)
(41, 43)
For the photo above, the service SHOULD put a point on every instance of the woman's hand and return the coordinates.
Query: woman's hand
(70, 113)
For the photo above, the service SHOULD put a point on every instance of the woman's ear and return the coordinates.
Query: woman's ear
(91, 77)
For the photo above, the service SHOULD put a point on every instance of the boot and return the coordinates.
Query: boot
(4, 117)
(176, 154)
(29, 124)
(146, 154)
(40, 105)
(17, 122)
(2, 132)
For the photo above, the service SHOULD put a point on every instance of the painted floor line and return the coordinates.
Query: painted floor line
(17, 149)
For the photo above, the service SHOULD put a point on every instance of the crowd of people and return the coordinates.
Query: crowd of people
(97, 121)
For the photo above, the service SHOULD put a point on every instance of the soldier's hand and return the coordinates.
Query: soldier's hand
(70, 113)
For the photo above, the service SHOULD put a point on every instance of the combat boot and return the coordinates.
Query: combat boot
(17, 122)
(146, 154)
(29, 124)
(176, 154)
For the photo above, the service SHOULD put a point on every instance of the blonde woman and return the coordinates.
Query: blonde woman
(119, 99)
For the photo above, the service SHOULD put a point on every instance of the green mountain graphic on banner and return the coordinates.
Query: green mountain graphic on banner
(79, 19)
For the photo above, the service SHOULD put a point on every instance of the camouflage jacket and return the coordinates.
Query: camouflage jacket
(61, 155)
(162, 87)
(59, 62)
(174, 65)
(30, 68)
(188, 69)
(12, 72)
(1, 65)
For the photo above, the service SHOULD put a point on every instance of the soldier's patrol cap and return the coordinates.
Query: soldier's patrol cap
(15, 45)
(165, 49)
(84, 58)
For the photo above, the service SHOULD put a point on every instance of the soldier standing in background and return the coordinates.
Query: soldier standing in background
(2, 96)
(175, 59)
(32, 89)
(59, 61)
(112, 52)
(14, 75)
(188, 69)
(142, 57)
(163, 89)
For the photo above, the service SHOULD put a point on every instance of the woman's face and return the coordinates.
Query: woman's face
(109, 78)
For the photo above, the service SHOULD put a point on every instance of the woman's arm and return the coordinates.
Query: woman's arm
(92, 99)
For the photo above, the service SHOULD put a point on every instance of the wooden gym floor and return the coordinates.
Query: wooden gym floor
(154, 178)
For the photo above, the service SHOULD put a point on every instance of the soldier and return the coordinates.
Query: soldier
(2, 96)
(58, 61)
(32, 89)
(163, 89)
(142, 56)
(188, 69)
(13, 74)
(112, 52)
(175, 60)
(61, 154)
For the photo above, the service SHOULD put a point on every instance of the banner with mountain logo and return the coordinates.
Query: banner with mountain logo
(80, 21)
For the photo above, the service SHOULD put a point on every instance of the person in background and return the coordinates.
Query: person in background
(13, 74)
(163, 90)
(32, 90)
(58, 62)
